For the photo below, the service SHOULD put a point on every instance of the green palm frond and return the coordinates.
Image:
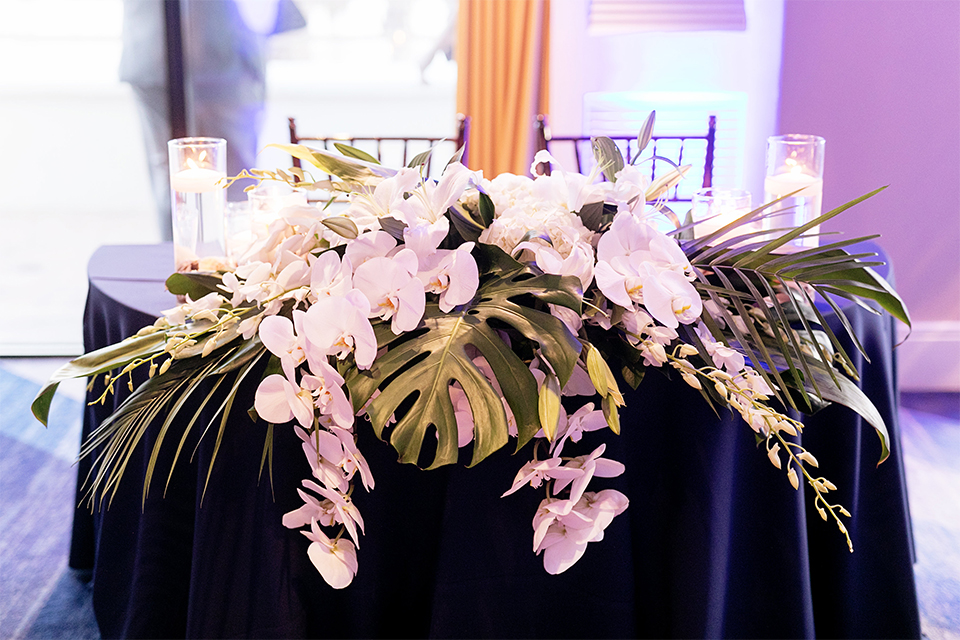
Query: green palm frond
(114, 442)
(101, 361)
(768, 311)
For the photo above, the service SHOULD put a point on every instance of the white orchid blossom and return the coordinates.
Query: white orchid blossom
(572, 427)
(279, 400)
(589, 466)
(394, 292)
(339, 326)
(373, 244)
(453, 275)
(336, 560)
(430, 202)
(671, 299)
(192, 308)
(562, 532)
(329, 276)
(382, 201)
(279, 337)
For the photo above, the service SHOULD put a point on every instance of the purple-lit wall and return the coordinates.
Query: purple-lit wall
(880, 80)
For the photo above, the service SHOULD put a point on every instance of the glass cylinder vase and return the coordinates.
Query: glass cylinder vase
(198, 168)
(714, 209)
(795, 163)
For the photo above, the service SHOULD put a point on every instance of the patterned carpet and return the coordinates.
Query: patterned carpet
(40, 597)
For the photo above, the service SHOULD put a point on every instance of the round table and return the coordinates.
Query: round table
(715, 542)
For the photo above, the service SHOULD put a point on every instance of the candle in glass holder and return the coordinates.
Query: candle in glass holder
(795, 162)
(714, 209)
(195, 179)
(198, 199)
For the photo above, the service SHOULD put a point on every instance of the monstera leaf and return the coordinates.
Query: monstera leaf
(415, 374)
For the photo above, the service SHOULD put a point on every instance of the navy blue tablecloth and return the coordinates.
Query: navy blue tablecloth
(715, 542)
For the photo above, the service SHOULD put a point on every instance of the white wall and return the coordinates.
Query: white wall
(705, 61)
(881, 82)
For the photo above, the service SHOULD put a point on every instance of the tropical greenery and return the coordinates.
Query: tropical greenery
(464, 309)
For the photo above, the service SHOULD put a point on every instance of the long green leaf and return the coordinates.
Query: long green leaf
(745, 345)
(844, 321)
(193, 284)
(867, 283)
(843, 391)
(787, 259)
(349, 169)
(94, 363)
(182, 393)
(777, 318)
(224, 412)
(353, 152)
(756, 341)
(267, 457)
(755, 258)
(608, 157)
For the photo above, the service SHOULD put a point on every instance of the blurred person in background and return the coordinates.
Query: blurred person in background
(224, 65)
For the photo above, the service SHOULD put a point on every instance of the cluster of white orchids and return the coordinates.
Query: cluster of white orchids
(337, 276)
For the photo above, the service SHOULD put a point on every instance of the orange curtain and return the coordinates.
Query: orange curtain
(502, 64)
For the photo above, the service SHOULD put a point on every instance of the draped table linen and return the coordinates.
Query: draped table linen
(715, 542)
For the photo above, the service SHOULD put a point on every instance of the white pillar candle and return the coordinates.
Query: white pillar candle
(799, 208)
(717, 222)
(197, 180)
(780, 185)
(714, 209)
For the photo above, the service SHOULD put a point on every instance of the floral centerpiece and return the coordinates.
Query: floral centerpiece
(478, 312)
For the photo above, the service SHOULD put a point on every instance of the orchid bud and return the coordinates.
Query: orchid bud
(205, 314)
(807, 457)
(687, 350)
(786, 427)
(773, 454)
(792, 477)
(549, 406)
(721, 390)
(691, 380)
(721, 375)
(208, 347)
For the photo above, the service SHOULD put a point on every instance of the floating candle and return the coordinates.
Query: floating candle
(196, 180)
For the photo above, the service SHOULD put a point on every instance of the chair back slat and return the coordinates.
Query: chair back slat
(383, 148)
(678, 148)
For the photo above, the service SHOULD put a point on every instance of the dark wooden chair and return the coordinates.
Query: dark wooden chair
(680, 149)
(393, 151)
